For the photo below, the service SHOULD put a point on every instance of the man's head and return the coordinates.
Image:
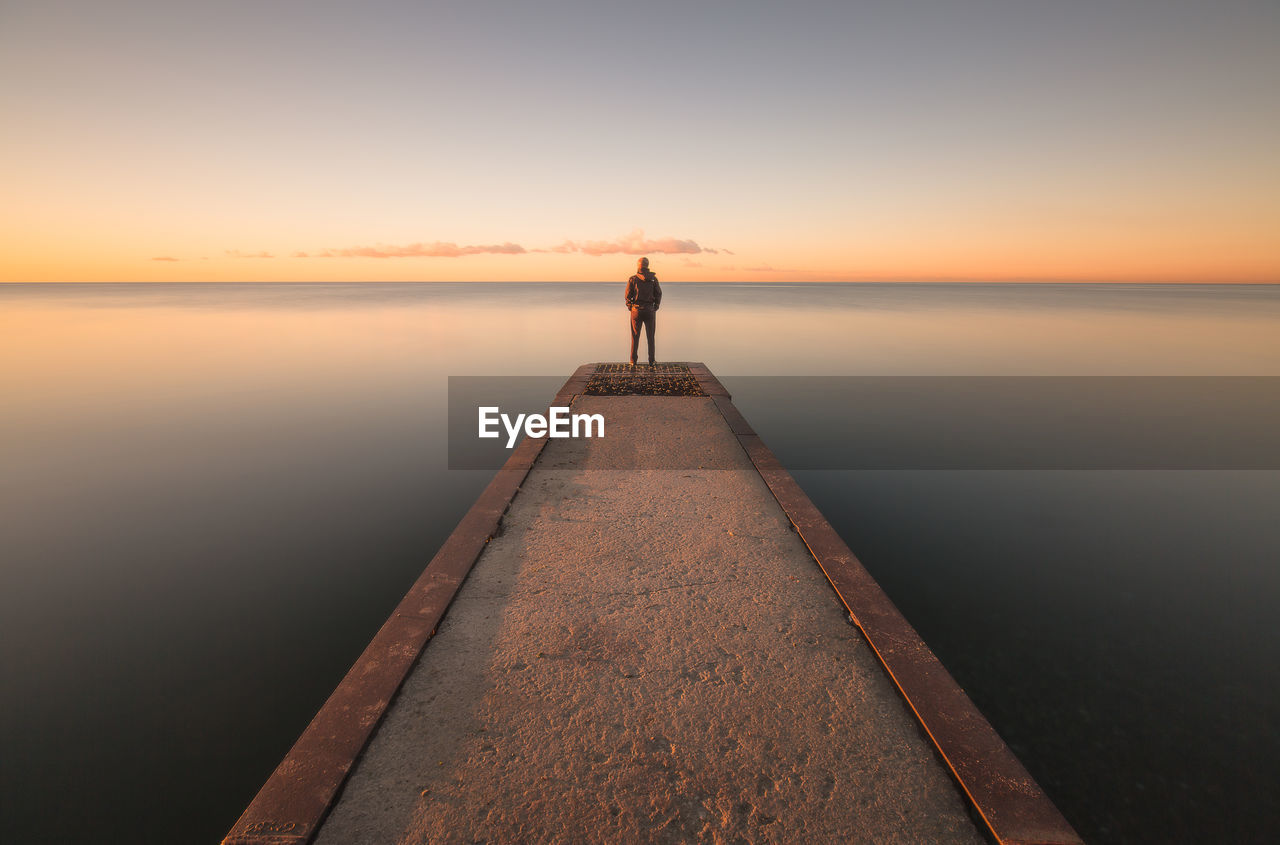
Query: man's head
(643, 265)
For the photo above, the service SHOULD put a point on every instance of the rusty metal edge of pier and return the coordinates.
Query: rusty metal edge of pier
(292, 804)
(1014, 808)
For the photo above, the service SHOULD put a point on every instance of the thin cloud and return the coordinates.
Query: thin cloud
(436, 249)
(768, 268)
(165, 258)
(634, 243)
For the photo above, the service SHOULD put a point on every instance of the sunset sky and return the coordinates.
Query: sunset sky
(283, 140)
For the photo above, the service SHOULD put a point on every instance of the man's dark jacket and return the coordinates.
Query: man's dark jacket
(643, 290)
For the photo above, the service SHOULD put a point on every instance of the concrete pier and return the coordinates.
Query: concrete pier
(659, 640)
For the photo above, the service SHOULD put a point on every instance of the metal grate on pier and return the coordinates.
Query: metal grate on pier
(643, 380)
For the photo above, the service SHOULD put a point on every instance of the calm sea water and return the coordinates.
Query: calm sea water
(213, 495)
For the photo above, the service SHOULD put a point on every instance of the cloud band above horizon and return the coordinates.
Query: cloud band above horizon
(634, 243)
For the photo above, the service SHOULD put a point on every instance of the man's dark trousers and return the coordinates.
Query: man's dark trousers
(648, 318)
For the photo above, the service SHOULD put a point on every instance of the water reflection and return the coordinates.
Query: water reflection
(213, 495)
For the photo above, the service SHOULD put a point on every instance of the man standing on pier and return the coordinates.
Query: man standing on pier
(644, 295)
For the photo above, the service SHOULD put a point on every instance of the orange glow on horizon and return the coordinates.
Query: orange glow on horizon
(1187, 265)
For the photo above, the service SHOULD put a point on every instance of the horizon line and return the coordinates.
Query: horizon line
(906, 281)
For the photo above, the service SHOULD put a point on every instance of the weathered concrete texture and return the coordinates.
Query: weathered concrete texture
(648, 656)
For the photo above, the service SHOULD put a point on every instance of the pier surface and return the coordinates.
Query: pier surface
(644, 651)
